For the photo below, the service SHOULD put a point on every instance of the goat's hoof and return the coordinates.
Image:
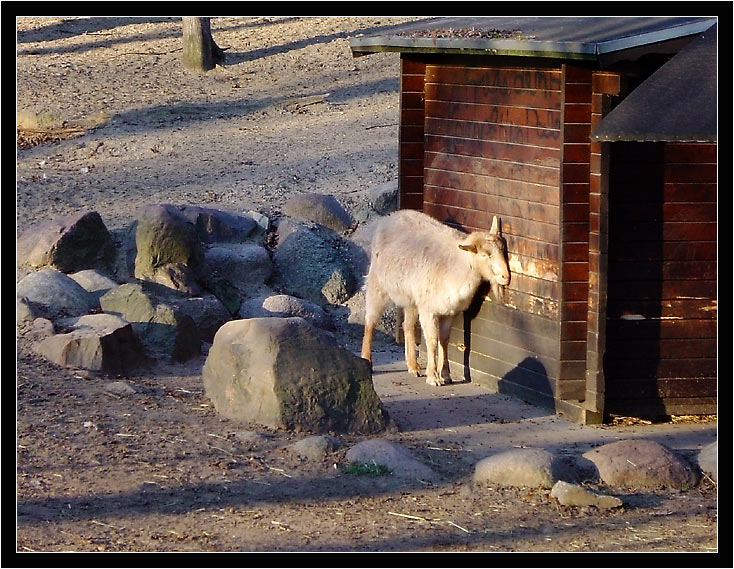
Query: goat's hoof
(434, 381)
(415, 372)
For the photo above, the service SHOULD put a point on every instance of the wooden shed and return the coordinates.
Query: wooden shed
(612, 245)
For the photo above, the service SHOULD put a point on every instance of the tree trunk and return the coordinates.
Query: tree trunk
(200, 53)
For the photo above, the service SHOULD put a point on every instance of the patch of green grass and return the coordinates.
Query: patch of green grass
(367, 469)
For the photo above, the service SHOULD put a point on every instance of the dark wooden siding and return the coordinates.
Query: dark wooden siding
(410, 169)
(493, 146)
(662, 308)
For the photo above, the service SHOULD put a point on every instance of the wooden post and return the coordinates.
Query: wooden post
(200, 53)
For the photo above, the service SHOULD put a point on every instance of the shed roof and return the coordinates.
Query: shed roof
(593, 38)
(676, 103)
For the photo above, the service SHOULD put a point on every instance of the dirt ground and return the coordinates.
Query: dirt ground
(110, 122)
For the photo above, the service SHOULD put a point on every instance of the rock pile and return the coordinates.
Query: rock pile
(156, 290)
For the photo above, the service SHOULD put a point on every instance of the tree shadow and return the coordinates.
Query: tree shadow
(234, 58)
(77, 26)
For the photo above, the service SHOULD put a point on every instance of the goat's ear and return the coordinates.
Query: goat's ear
(495, 229)
(468, 244)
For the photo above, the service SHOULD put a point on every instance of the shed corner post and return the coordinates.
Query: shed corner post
(597, 311)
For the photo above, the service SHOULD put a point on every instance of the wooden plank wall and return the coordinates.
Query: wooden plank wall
(493, 147)
(410, 165)
(662, 305)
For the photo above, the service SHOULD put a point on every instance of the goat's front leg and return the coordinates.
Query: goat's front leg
(429, 323)
(444, 331)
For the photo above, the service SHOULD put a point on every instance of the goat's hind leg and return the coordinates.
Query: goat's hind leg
(375, 303)
(429, 323)
(444, 331)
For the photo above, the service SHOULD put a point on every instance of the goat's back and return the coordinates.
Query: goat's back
(416, 261)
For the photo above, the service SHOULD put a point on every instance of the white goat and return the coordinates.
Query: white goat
(432, 272)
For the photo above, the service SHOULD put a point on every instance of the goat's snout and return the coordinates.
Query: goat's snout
(503, 279)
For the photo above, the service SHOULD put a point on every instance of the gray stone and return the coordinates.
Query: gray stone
(319, 208)
(573, 495)
(244, 268)
(52, 293)
(68, 244)
(392, 455)
(533, 468)
(263, 221)
(163, 327)
(214, 225)
(207, 312)
(284, 373)
(168, 249)
(286, 306)
(708, 460)
(119, 388)
(313, 263)
(642, 464)
(40, 328)
(98, 342)
(94, 282)
(24, 314)
(388, 322)
(315, 448)
(384, 197)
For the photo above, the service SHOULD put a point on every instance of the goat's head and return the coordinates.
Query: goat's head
(491, 260)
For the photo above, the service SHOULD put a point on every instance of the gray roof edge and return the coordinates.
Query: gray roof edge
(489, 45)
(655, 37)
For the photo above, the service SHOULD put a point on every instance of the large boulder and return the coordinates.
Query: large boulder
(98, 342)
(319, 208)
(168, 249)
(72, 243)
(52, 293)
(642, 464)
(284, 373)
(313, 263)
(163, 327)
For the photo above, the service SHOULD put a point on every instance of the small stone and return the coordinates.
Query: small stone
(532, 468)
(637, 464)
(573, 495)
(391, 455)
(708, 460)
(119, 388)
(315, 448)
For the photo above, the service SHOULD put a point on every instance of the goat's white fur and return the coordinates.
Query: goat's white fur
(432, 272)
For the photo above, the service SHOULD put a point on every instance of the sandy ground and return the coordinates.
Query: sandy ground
(111, 122)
